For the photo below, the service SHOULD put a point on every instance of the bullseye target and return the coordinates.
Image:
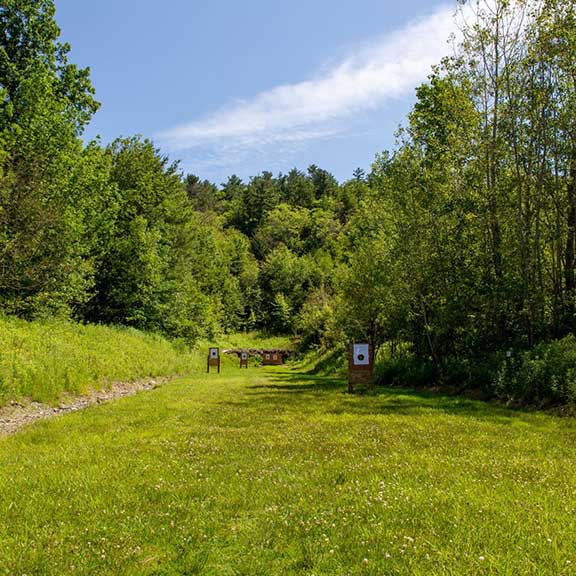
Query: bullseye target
(361, 355)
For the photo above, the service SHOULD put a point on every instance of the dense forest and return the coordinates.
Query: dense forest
(455, 256)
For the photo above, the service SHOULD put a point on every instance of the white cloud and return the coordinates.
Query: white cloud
(323, 106)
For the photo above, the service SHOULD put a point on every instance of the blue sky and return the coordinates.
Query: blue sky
(230, 86)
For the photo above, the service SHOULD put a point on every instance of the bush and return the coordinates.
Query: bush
(405, 369)
(545, 374)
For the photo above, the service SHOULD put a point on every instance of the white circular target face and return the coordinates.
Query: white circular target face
(213, 352)
(267, 356)
(275, 357)
(244, 356)
(361, 355)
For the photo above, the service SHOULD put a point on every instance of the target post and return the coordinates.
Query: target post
(360, 366)
(214, 358)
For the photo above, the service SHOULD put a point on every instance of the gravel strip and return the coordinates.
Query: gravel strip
(17, 414)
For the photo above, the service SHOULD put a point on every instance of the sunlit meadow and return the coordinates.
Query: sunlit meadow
(273, 471)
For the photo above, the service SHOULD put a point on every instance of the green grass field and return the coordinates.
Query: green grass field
(276, 472)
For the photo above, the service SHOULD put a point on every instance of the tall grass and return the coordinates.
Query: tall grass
(44, 360)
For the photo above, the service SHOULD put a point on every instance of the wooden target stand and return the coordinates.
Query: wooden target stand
(360, 366)
(272, 359)
(243, 359)
(214, 359)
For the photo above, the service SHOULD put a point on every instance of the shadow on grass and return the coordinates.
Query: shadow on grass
(308, 391)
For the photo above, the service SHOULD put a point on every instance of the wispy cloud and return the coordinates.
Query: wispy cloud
(325, 105)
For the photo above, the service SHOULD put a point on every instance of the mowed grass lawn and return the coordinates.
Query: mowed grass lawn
(271, 471)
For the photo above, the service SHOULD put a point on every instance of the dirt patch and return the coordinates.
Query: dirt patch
(19, 414)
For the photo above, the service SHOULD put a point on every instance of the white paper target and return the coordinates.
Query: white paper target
(213, 352)
(267, 356)
(361, 355)
(275, 357)
(244, 356)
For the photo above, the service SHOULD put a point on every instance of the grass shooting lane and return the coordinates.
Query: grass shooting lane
(274, 471)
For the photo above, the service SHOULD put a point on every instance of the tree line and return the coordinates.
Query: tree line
(454, 256)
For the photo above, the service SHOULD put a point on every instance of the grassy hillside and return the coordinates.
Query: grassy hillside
(43, 360)
(246, 340)
(272, 471)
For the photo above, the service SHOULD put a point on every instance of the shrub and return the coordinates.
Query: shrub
(545, 374)
(405, 369)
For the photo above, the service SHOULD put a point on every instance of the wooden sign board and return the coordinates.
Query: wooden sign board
(244, 360)
(360, 366)
(214, 358)
(272, 359)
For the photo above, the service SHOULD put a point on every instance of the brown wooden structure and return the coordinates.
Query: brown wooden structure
(360, 366)
(272, 358)
(214, 358)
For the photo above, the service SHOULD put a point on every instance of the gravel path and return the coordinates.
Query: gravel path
(16, 414)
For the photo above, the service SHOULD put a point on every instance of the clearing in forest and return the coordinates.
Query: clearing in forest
(273, 471)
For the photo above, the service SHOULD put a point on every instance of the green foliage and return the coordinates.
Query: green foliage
(547, 373)
(316, 322)
(45, 101)
(167, 265)
(369, 287)
(35, 72)
(257, 198)
(298, 189)
(283, 279)
(203, 195)
(280, 314)
(129, 278)
(283, 225)
(116, 235)
(245, 340)
(404, 368)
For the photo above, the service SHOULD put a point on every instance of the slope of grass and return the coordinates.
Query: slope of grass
(43, 360)
(247, 340)
(276, 472)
